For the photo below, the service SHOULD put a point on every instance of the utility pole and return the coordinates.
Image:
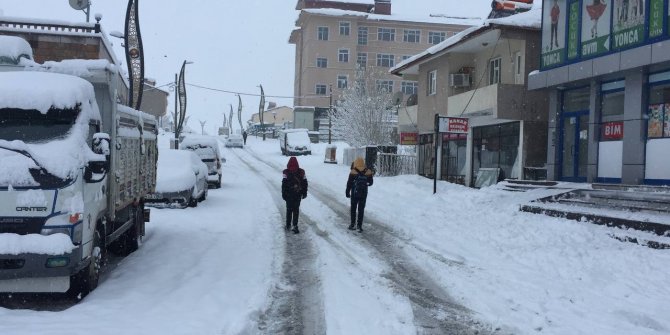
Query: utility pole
(330, 114)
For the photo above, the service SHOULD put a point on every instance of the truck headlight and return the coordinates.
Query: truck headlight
(61, 224)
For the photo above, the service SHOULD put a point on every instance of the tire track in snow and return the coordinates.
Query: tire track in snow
(297, 304)
(435, 312)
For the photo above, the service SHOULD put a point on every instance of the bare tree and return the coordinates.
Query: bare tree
(364, 114)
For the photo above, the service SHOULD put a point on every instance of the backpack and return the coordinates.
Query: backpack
(359, 189)
(294, 184)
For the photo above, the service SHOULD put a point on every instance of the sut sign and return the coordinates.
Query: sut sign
(573, 30)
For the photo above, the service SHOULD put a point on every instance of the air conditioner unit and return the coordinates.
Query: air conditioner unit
(459, 80)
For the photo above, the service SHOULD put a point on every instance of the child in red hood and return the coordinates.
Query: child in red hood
(293, 189)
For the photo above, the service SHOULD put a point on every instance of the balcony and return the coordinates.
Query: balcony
(498, 101)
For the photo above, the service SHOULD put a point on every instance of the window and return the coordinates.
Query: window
(494, 71)
(345, 28)
(385, 86)
(435, 37)
(386, 34)
(409, 87)
(342, 82)
(322, 33)
(612, 98)
(362, 59)
(320, 89)
(362, 35)
(343, 56)
(385, 60)
(404, 57)
(432, 82)
(412, 36)
(659, 105)
(322, 62)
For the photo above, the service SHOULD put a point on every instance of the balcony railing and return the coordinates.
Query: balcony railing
(50, 26)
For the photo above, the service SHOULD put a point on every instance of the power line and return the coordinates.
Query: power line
(254, 94)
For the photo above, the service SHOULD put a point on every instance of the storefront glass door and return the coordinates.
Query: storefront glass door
(574, 146)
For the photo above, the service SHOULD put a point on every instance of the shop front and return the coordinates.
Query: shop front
(497, 146)
(454, 154)
(657, 165)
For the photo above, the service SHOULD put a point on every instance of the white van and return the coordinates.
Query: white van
(294, 142)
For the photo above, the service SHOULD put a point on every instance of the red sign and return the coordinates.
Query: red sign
(409, 138)
(612, 131)
(453, 125)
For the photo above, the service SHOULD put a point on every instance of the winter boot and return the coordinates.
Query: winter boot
(360, 228)
(295, 230)
(351, 227)
(288, 226)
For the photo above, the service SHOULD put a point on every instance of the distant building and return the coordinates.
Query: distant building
(332, 38)
(274, 117)
(58, 41)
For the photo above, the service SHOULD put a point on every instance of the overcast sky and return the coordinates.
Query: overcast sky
(235, 45)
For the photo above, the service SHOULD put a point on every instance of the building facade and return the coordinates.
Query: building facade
(478, 77)
(607, 68)
(332, 38)
(57, 41)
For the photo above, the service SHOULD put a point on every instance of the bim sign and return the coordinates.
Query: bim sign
(612, 131)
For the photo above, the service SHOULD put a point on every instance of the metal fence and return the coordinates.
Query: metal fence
(394, 164)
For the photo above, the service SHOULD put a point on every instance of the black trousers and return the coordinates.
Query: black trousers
(357, 204)
(292, 212)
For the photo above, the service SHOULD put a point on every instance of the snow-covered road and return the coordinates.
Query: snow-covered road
(461, 261)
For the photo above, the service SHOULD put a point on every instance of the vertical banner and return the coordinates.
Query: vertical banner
(181, 94)
(239, 112)
(573, 30)
(261, 109)
(134, 55)
(666, 126)
(628, 23)
(596, 19)
(656, 8)
(553, 32)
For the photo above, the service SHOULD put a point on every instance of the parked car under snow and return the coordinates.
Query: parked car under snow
(234, 141)
(181, 180)
(207, 148)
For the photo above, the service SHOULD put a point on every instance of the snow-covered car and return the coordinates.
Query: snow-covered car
(207, 148)
(181, 180)
(234, 141)
(295, 142)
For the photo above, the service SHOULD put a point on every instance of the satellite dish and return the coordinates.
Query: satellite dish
(412, 100)
(397, 98)
(79, 4)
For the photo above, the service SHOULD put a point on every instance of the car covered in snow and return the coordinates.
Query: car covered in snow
(207, 148)
(295, 142)
(234, 141)
(181, 180)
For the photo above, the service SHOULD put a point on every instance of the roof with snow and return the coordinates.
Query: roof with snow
(531, 19)
(438, 19)
(13, 49)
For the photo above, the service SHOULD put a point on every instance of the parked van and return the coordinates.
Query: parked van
(294, 142)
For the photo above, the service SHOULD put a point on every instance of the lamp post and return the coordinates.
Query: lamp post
(180, 99)
(330, 113)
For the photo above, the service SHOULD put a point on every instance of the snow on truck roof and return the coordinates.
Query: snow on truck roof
(43, 90)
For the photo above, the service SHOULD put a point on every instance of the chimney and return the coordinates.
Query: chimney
(382, 7)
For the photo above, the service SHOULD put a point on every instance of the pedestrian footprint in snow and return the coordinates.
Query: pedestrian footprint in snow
(360, 178)
(293, 189)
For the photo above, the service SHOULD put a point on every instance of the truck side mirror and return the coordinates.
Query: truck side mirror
(95, 171)
(101, 144)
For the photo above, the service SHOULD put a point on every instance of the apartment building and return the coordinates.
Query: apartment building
(478, 79)
(332, 38)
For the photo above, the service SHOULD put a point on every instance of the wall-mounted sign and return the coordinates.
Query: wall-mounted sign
(596, 18)
(628, 23)
(553, 32)
(612, 131)
(656, 8)
(573, 29)
(454, 137)
(453, 125)
(409, 138)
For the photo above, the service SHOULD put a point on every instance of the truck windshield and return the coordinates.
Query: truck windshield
(31, 126)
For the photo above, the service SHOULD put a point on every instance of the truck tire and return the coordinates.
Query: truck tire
(129, 241)
(86, 280)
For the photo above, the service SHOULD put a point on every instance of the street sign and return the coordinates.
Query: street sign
(452, 125)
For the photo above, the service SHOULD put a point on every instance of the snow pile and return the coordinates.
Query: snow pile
(56, 244)
(175, 172)
(13, 49)
(78, 67)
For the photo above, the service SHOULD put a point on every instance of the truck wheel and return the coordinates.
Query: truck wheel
(192, 202)
(86, 280)
(218, 184)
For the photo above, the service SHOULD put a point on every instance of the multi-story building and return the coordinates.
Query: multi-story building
(607, 68)
(478, 79)
(332, 38)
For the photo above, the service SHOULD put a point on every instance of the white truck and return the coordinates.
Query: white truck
(75, 166)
